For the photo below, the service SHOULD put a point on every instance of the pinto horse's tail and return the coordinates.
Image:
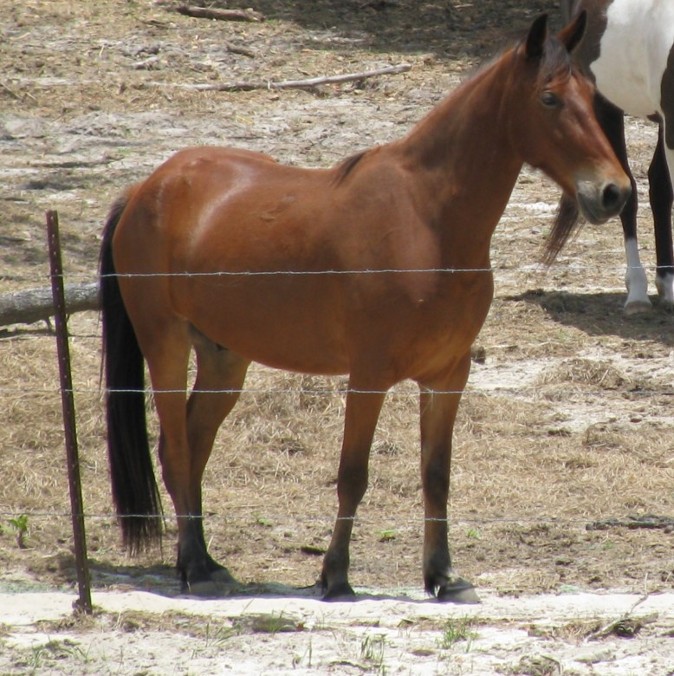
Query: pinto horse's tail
(134, 488)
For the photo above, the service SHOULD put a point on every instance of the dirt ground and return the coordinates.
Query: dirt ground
(563, 470)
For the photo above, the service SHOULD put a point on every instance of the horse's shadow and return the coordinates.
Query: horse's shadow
(162, 580)
(601, 314)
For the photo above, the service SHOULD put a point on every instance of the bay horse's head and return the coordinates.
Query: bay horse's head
(556, 130)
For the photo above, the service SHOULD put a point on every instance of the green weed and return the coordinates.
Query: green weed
(457, 630)
(20, 526)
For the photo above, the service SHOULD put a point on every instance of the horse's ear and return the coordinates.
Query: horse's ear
(536, 39)
(572, 34)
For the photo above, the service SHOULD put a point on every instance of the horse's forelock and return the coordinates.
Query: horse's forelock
(556, 62)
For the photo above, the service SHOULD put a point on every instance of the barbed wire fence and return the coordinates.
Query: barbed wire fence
(72, 298)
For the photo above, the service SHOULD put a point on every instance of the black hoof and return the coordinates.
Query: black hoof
(223, 576)
(211, 580)
(458, 591)
(212, 588)
(339, 592)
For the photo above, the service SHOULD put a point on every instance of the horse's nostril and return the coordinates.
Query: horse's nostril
(613, 197)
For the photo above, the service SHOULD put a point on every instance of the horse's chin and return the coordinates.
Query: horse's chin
(592, 218)
(591, 212)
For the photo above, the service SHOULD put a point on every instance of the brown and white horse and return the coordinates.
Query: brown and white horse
(378, 268)
(629, 51)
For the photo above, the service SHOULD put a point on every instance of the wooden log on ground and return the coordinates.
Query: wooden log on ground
(220, 14)
(34, 305)
(310, 83)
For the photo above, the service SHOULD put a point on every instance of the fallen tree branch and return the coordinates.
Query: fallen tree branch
(237, 49)
(291, 84)
(11, 92)
(34, 305)
(632, 522)
(220, 14)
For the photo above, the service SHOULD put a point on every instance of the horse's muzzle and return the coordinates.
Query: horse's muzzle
(599, 202)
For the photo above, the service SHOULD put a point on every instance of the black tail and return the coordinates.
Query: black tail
(134, 488)
(566, 223)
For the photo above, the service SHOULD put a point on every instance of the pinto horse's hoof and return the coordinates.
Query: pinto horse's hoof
(458, 591)
(637, 307)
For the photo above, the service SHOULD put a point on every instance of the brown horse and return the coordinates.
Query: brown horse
(378, 268)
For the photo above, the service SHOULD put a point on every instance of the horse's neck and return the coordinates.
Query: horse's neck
(462, 152)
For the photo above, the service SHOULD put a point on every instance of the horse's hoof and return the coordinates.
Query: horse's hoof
(458, 591)
(213, 587)
(637, 307)
(340, 592)
(203, 588)
(222, 576)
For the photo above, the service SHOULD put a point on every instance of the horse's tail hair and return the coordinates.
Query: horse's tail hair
(566, 224)
(134, 488)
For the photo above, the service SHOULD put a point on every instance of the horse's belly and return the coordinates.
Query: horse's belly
(633, 55)
(282, 323)
(317, 326)
(303, 351)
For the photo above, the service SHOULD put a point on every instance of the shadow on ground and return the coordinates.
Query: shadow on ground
(443, 27)
(601, 314)
(162, 580)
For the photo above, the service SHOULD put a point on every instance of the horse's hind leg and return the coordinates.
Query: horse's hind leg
(220, 376)
(166, 345)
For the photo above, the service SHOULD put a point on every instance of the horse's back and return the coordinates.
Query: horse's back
(241, 247)
(199, 195)
(216, 208)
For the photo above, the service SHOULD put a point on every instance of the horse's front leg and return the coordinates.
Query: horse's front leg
(661, 198)
(439, 402)
(362, 412)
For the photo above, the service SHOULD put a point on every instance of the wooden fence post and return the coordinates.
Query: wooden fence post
(68, 404)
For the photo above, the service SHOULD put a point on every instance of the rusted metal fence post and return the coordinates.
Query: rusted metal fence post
(67, 401)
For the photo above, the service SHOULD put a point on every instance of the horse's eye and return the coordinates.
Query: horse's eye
(550, 100)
